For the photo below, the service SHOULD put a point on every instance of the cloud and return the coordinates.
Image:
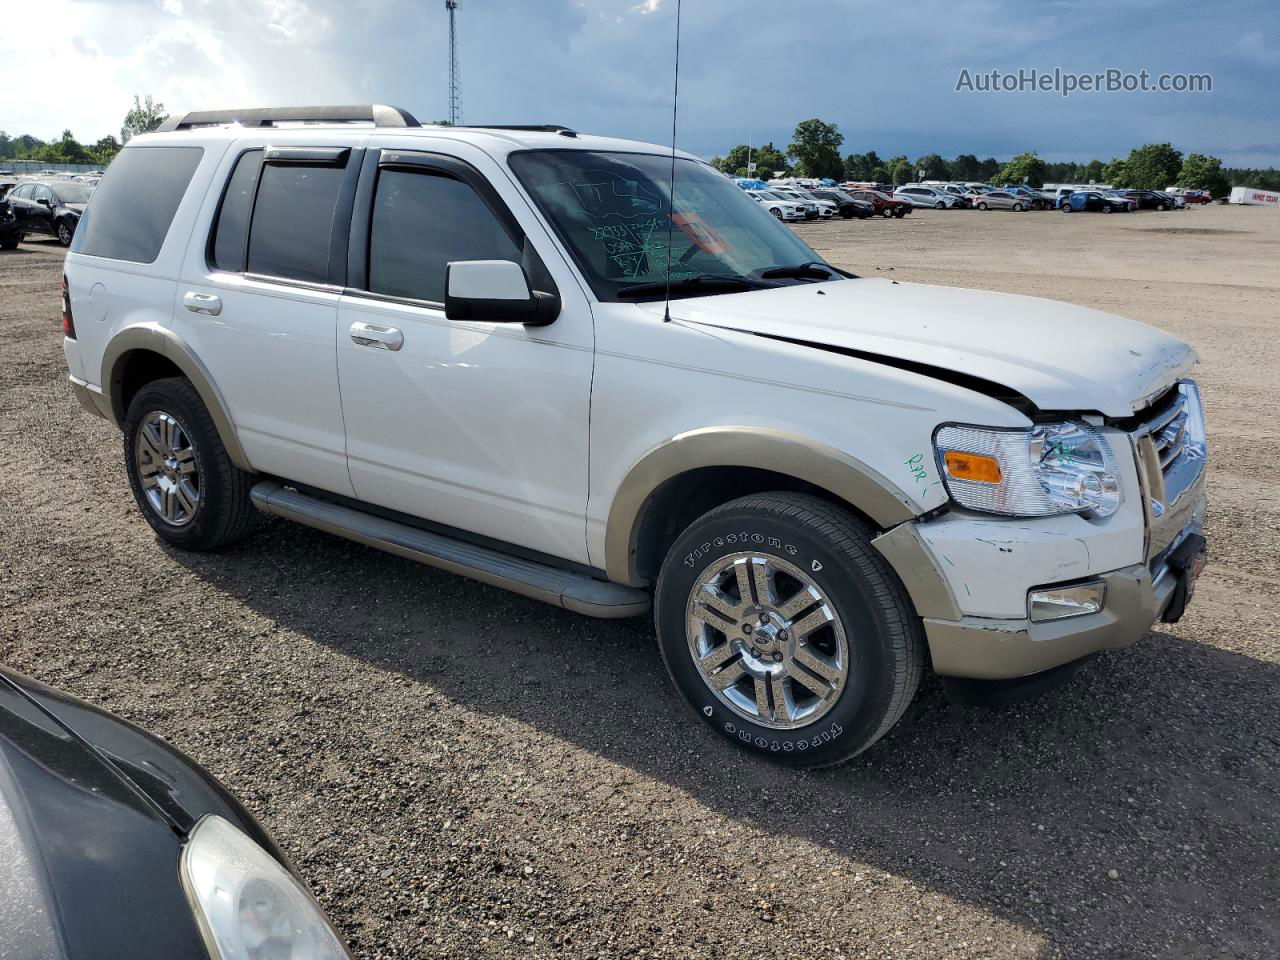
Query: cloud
(606, 66)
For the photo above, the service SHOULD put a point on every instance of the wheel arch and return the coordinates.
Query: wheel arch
(679, 480)
(138, 355)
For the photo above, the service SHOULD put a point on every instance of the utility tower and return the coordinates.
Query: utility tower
(455, 99)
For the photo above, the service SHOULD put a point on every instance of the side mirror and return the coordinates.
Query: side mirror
(495, 291)
(45, 202)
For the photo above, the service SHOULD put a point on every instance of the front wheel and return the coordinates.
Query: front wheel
(900, 212)
(1066, 208)
(786, 631)
(776, 212)
(1161, 207)
(982, 206)
(1017, 208)
(65, 233)
(939, 205)
(1106, 208)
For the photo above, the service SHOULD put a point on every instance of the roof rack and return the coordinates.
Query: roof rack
(378, 114)
(529, 127)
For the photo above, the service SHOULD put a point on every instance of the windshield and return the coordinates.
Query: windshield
(613, 211)
(72, 192)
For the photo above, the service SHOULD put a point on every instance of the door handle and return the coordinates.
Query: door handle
(372, 335)
(205, 303)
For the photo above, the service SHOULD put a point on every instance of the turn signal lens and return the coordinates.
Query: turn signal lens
(972, 466)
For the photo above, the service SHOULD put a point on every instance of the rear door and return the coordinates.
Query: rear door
(258, 302)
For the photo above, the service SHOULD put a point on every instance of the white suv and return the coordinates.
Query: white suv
(454, 344)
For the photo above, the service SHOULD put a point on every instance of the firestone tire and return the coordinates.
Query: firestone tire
(860, 607)
(177, 424)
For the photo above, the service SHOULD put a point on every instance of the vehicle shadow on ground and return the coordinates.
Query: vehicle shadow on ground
(1161, 762)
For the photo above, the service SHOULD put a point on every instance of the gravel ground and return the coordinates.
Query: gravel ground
(461, 772)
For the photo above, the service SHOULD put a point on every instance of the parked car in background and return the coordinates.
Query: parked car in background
(1092, 201)
(6, 184)
(827, 209)
(847, 205)
(1197, 196)
(882, 203)
(10, 235)
(1149, 199)
(52, 208)
(919, 196)
(1000, 200)
(1033, 198)
(812, 209)
(113, 844)
(959, 192)
(782, 209)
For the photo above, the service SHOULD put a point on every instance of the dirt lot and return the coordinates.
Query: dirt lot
(461, 772)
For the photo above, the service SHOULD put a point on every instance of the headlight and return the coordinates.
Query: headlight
(1048, 469)
(248, 906)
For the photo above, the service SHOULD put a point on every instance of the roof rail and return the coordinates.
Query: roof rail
(530, 127)
(376, 113)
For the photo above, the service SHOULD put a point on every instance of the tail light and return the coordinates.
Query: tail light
(68, 322)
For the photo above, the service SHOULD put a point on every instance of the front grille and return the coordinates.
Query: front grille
(1169, 432)
(1169, 443)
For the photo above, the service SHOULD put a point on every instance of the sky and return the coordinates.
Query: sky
(749, 71)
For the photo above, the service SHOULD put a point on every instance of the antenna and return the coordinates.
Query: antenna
(671, 202)
(455, 99)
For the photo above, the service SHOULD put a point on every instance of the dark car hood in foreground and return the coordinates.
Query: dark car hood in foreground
(93, 815)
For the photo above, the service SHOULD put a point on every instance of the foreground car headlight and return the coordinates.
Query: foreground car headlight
(1041, 471)
(248, 906)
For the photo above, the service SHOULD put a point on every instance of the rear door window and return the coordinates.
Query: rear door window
(293, 221)
(134, 205)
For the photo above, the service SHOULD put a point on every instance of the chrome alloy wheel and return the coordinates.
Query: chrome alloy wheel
(166, 463)
(766, 641)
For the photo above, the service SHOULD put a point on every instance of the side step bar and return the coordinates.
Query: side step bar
(562, 588)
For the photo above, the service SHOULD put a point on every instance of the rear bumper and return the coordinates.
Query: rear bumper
(93, 401)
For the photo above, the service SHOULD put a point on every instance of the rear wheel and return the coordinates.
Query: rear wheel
(11, 243)
(786, 631)
(184, 482)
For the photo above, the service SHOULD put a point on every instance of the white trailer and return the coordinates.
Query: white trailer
(1254, 198)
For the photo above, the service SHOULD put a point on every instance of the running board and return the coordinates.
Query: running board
(561, 588)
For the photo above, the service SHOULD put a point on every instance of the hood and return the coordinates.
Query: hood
(75, 207)
(1059, 356)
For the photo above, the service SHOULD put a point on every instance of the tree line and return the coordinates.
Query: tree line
(143, 117)
(815, 152)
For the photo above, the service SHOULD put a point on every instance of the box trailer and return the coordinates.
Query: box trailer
(1254, 198)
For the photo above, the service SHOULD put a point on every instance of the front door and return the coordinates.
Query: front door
(475, 425)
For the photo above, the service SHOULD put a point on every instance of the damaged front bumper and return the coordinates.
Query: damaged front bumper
(954, 592)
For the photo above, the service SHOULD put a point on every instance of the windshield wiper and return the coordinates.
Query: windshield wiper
(708, 282)
(801, 270)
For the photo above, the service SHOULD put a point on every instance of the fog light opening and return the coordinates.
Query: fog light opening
(1058, 603)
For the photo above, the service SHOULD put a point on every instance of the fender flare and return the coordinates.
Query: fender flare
(859, 485)
(159, 340)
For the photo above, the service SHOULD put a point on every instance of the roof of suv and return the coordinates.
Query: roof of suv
(495, 140)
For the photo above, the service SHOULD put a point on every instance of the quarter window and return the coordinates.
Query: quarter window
(422, 221)
(135, 203)
(293, 221)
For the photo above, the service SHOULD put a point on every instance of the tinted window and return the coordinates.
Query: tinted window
(232, 229)
(23, 192)
(134, 205)
(421, 221)
(293, 221)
